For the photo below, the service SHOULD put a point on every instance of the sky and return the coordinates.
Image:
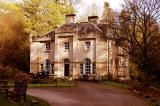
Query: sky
(114, 4)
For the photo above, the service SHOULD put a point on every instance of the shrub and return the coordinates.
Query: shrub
(7, 72)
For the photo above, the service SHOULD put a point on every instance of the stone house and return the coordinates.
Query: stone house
(78, 49)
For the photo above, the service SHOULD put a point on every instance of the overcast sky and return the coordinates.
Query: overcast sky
(114, 4)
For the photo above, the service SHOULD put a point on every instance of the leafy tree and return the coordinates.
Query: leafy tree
(44, 15)
(14, 48)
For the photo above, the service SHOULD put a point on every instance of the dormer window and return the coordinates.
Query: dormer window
(87, 45)
(48, 47)
(66, 46)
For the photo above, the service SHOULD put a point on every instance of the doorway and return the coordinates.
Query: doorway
(66, 70)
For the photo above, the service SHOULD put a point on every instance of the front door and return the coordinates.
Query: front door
(66, 70)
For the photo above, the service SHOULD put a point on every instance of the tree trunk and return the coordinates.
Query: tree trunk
(146, 77)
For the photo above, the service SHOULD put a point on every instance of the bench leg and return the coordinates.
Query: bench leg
(6, 92)
(16, 98)
(24, 98)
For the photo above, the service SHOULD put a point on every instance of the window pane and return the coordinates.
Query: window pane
(47, 65)
(81, 68)
(41, 67)
(66, 45)
(47, 46)
(94, 68)
(52, 68)
(87, 45)
(87, 66)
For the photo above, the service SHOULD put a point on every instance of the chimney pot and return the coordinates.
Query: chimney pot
(93, 19)
(70, 18)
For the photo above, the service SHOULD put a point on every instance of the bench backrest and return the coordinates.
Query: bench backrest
(20, 87)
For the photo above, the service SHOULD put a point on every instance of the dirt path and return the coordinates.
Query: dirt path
(87, 94)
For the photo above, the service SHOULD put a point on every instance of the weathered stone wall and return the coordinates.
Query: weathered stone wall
(34, 57)
(107, 56)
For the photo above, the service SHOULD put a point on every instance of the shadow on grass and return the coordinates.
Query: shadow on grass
(111, 83)
(30, 101)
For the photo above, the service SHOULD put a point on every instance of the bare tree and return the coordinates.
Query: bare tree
(139, 33)
(93, 10)
(75, 4)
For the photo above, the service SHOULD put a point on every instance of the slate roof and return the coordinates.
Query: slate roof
(82, 28)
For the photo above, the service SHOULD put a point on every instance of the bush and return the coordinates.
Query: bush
(7, 72)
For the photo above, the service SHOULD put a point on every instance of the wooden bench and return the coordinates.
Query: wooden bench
(4, 87)
(19, 90)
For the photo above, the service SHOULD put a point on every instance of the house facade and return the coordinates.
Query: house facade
(78, 49)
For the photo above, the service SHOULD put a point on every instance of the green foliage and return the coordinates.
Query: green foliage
(42, 16)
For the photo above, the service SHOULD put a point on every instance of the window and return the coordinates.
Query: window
(94, 69)
(47, 65)
(47, 47)
(81, 68)
(52, 68)
(41, 67)
(66, 46)
(87, 66)
(87, 45)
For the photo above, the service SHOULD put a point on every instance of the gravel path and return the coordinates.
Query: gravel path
(87, 94)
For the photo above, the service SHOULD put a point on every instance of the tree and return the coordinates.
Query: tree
(109, 17)
(40, 16)
(44, 15)
(108, 14)
(14, 46)
(139, 33)
(93, 10)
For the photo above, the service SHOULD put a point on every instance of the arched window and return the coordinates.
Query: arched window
(87, 66)
(47, 65)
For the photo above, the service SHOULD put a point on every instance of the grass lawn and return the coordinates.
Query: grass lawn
(30, 101)
(152, 100)
(60, 84)
(111, 83)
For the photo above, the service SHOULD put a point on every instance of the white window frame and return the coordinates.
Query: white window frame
(87, 45)
(52, 69)
(87, 66)
(66, 45)
(48, 47)
(42, 68)
(94, 69)
(81, 69)
(47, 65)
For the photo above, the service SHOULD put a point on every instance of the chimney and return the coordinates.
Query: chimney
(70, 18)
(93, 19)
